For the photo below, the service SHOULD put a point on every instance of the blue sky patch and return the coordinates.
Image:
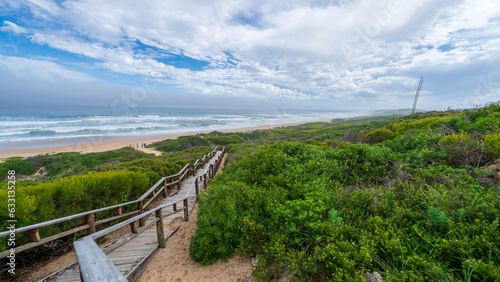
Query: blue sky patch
(446, 48)
(420, 47)
(183, 62)
(249, 17)
(168, 58)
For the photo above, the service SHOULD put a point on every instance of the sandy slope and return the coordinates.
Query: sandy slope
(175, 264)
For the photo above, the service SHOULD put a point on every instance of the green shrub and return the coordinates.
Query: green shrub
(19, 165)
(225, 139)
(334, 217)
(179, 144)
(3, 172)
(485, 124)
(379, 135)
(438, 219)
(72, 163)
(462, 149)
(456, 123)
(492, 143)
(363, 162)
(155, 169)
(67, 196)
(316, 215)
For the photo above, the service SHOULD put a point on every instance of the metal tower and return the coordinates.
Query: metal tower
(416, 95)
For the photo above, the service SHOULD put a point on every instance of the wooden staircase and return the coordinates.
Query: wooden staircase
(131, 253)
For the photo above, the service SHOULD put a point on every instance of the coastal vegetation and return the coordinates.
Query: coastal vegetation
(412, 197)
(75, 183)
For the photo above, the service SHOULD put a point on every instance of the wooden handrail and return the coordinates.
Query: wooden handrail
(90, 261)
(89, 213)
(180, 171)
(151, 189)
(94, 264)
(145, 214)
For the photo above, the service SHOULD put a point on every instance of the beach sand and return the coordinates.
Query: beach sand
(91, 145)
(174, 263)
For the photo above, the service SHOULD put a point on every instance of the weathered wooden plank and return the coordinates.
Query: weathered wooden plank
(127, 238)
(139, 268)
(71, 277)
(94, 265)
(127, 262)
(128, 252)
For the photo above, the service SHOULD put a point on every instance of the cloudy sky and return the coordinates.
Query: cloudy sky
(358, 54)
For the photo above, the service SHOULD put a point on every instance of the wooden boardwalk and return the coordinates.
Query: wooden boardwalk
(132, 257)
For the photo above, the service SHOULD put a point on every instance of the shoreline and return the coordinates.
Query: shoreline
(85, 145)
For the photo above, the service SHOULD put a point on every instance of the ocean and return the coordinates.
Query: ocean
(27, 127)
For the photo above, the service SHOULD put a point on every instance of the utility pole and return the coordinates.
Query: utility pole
(416, 94)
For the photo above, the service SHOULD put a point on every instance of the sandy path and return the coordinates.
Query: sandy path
(174, 263)
(150, 151)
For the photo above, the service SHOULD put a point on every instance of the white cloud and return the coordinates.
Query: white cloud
(330, 49)
(43, 8)
(12, 27)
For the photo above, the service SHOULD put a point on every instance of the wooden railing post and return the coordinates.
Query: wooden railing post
(186, 210)
(197, 189)
(89, 219)
(165, 188)
(179, 182)
(133, 227)
(141, 210)
(205, 181)
(159, 229)
(35, 235)
(119, 210)
(175, 207)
